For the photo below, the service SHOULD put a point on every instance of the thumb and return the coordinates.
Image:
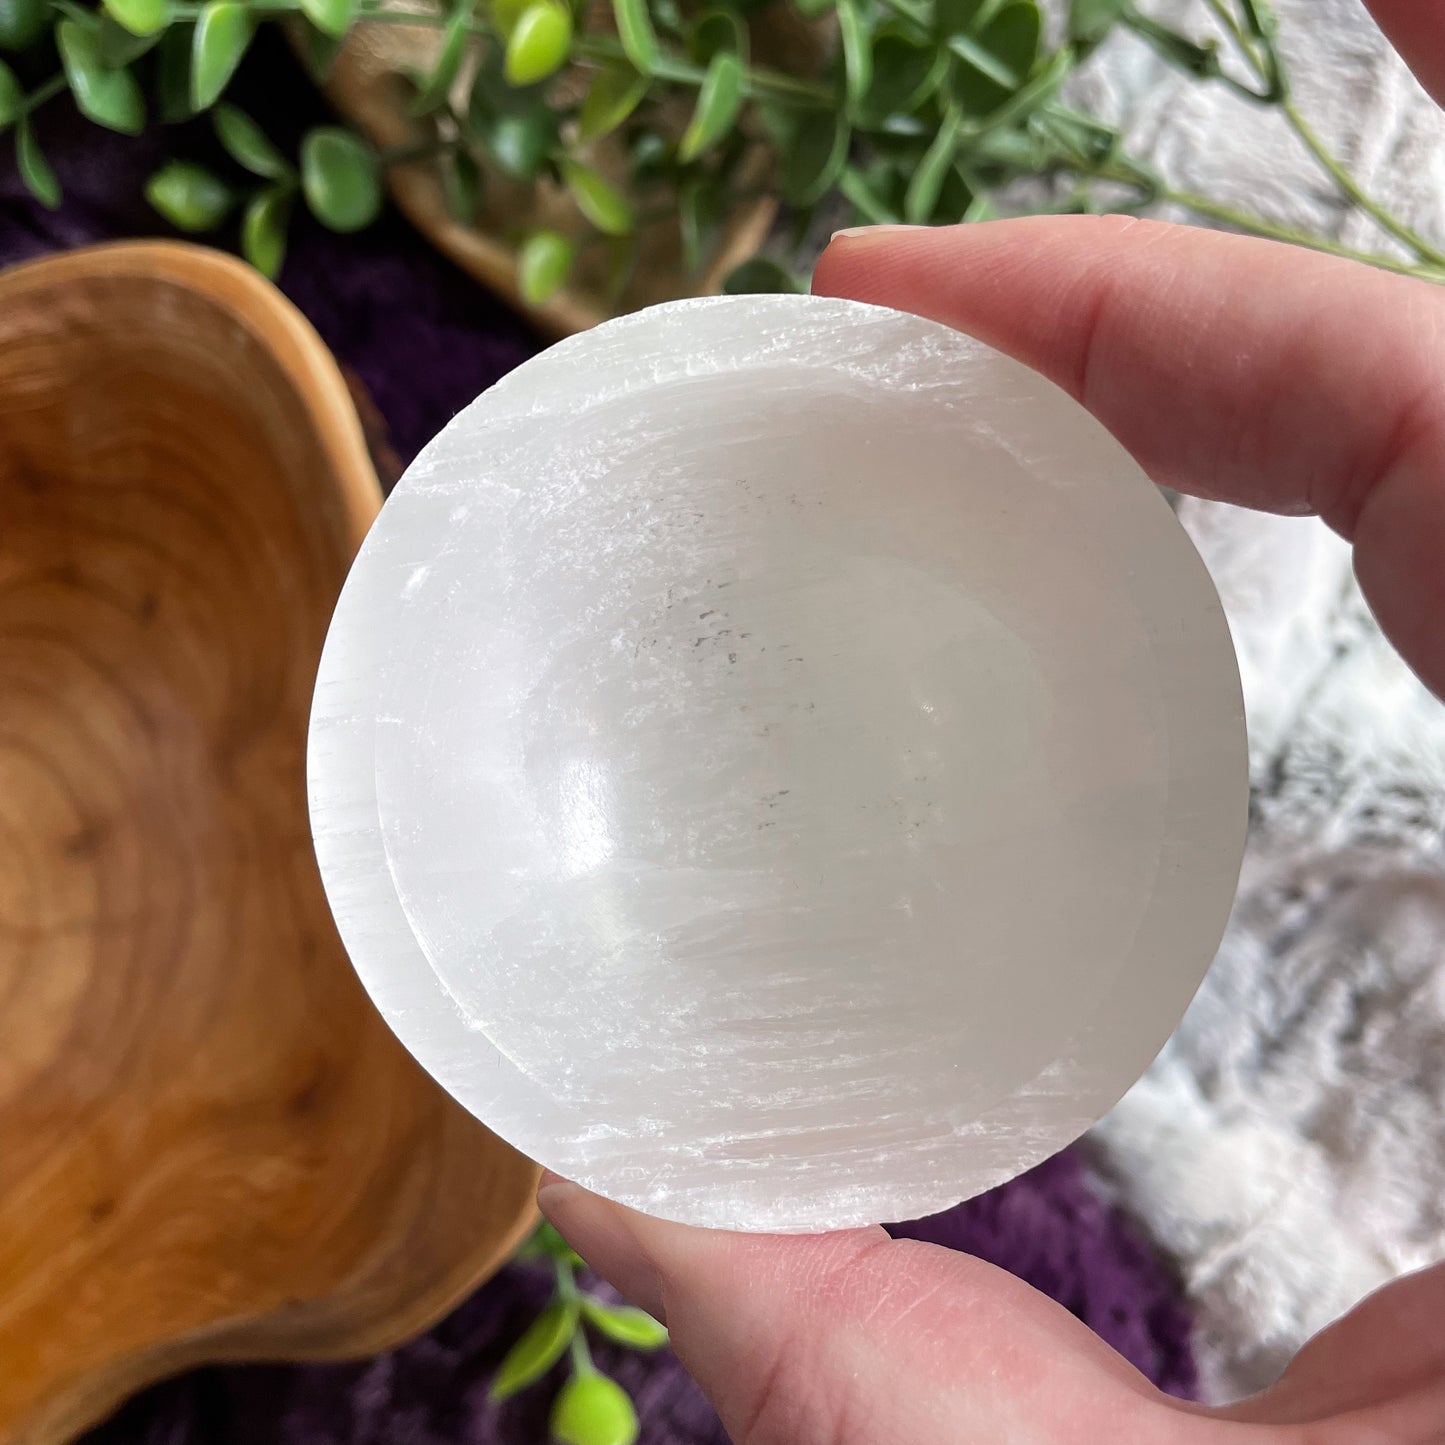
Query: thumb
(847, 1338)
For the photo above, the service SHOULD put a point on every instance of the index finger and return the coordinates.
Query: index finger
(1232, 368)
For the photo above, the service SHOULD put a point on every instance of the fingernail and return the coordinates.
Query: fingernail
(605, 1235)
(858, 233)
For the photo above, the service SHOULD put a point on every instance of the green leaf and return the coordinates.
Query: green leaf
(223, 32)
(719, 99)
(263, 229)
(22, 23)
(540, 1346)
(927, 183)
(1189, 55)
(1091, 20)
(813, 9)
(12, 98)
(443, 75)
(545, 1243)
(889, 179)
(955, 198)
(667, 17)
(1000, 58)
(872, 207)
(650, 158)
(815, 155)
(520, 144)
(701, 207)
(506, 13)
(330, 17)
(339, 177)
(593, 1410)
(189, 196)
(173, 73)
(857, 51)
(626, 1326)
(520, 141)
(980, 209)
(1259, 19)
(1013, 38)
(905, 73)
(492, 95)
(779, 122)
(119, 48)
(140, 17)
(715, 31)
(539, 43)
(639, 39)
(245, 142)
(108, 97)
(544, 262)
(1027, 98)
(955, 17)
(1015, 150)
(616, 91)
(1084, 141)
(34, 168)
(462, 184)
(598, 199)
(1014, 35)
(760, 275)
(319, 51)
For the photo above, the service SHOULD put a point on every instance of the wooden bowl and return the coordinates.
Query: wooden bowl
(211, 1147)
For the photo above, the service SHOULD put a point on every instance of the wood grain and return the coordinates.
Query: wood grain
(211, 1147)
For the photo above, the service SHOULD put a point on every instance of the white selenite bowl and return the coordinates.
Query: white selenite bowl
(779, 763)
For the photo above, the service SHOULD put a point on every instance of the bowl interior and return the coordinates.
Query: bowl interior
(213, 1145)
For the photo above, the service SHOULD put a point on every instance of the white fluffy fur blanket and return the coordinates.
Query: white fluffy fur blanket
(1288, 1147)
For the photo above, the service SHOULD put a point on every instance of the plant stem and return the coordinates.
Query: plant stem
(581, 1355)
(1267, 67)
(986, 64)
(856, 190)
(567, 1290)
(1164, 40)
(48, 91)
(1270, 69)
(1262, 56)
(569, 1294)
(421, 151)
(1353, 191)
(1203, 206)
(758, 83)
(918, 14)
(1230, 21)
(1025, 98)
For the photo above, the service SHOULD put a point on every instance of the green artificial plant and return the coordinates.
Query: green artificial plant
(922, 111)
(590, 1408)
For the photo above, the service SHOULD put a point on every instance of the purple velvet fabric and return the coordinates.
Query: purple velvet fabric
(1050, 1228)
(425, 340)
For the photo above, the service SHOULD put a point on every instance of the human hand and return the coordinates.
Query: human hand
(1230, 368)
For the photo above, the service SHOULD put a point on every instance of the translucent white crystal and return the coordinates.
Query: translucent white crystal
(779, 762)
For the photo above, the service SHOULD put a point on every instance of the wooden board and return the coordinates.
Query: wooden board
(211, 1147)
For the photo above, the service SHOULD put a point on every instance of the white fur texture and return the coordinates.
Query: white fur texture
(1288, 1147)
